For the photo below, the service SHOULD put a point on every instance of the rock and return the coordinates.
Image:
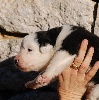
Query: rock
(9, 48)
(27, 16)
(97, 24)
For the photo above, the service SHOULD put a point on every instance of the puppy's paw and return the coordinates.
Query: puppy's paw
(32, 85)
(43, 80)
(40, 81)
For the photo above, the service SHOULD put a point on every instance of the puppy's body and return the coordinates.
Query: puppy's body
(53, 51)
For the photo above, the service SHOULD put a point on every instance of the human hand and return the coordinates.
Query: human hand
(72, 82)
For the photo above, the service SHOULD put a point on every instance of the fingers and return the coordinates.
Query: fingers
(92, 72)
(65, 74)
(84, 66)
(78, 60)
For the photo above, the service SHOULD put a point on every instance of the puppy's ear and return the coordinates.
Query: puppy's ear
(46, 49)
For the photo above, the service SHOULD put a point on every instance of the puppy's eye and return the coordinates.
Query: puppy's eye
(29, 50)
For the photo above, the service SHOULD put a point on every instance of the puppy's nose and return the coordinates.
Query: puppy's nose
(16, 61)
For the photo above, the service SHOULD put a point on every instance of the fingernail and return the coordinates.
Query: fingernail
(85, 41)
(97, 62)
(92, 49)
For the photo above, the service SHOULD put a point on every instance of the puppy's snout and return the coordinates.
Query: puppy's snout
(16, 61)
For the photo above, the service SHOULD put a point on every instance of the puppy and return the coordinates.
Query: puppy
(52, 51)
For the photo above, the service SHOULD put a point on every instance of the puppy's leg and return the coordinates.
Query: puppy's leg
(93, 93)
(60, 61)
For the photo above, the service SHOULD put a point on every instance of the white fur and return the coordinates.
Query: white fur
(60, 61)
(63, 34)
(94, 93)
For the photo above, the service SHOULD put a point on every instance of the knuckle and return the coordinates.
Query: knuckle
(89, 54)
(83, 67)
(94, 70)
(78, 60)
(90, 75)
(84, 47)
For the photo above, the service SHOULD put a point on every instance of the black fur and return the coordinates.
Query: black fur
(72, 42)
(48, 37)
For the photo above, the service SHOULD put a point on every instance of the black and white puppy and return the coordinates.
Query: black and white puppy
(52, 51)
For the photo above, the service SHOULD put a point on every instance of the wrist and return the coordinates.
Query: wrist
(66, 95)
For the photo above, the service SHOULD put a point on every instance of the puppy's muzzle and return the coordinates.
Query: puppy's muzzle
(16, 62)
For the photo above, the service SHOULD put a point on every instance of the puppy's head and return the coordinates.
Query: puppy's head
(32, 56)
